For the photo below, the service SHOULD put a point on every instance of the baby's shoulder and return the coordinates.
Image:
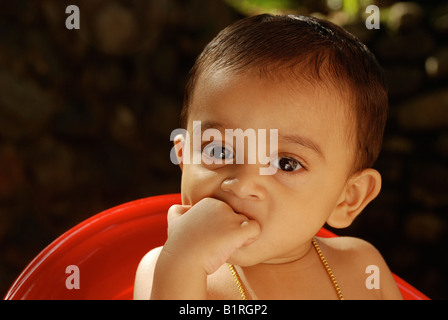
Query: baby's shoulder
(351, 247)
(359, 264)
(351, 252)
(145, 273)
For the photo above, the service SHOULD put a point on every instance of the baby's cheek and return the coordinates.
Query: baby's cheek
(198, 183)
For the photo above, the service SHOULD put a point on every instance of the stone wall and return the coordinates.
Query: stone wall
(85, 119)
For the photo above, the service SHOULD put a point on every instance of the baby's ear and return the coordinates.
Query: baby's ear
(361, 188)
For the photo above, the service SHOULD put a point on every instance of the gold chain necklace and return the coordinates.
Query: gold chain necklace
(322, 258)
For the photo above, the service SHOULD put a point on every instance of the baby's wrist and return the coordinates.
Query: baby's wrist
(182, 258)
(176, 277)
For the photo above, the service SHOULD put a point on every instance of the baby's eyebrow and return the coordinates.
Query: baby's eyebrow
(208, 124)
(303, 141)
(290, 138)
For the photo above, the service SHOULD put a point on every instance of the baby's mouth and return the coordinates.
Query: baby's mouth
(238, 209)
(247, 215)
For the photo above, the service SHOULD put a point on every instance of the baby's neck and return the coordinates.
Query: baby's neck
(301, 259)
(284, 278)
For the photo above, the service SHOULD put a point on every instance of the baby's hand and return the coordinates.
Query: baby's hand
(207, 233)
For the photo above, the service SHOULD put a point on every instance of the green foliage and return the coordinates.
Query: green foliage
(249, 7)
(350, 7)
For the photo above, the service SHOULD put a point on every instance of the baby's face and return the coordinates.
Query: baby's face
(314, 158)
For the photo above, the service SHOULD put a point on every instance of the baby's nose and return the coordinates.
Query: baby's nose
(246, 183)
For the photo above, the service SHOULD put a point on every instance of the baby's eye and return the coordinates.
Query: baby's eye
(286, 164)
(217, 151)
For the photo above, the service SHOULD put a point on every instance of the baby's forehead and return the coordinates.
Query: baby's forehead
(284, 85)
(287, 102)
(294, 77)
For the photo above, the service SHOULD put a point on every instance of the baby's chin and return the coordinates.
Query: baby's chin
(246, 256)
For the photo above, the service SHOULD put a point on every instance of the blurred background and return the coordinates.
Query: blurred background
(86, 117)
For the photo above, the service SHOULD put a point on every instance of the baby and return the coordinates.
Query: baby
(240, 234)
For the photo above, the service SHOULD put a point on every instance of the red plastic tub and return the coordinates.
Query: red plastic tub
(106, 250)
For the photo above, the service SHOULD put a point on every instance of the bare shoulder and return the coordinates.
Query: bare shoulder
(361, 266)
(350, 245)
(145, 273)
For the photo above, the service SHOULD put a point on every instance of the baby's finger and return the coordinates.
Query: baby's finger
(175, 211)
(249, 232)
